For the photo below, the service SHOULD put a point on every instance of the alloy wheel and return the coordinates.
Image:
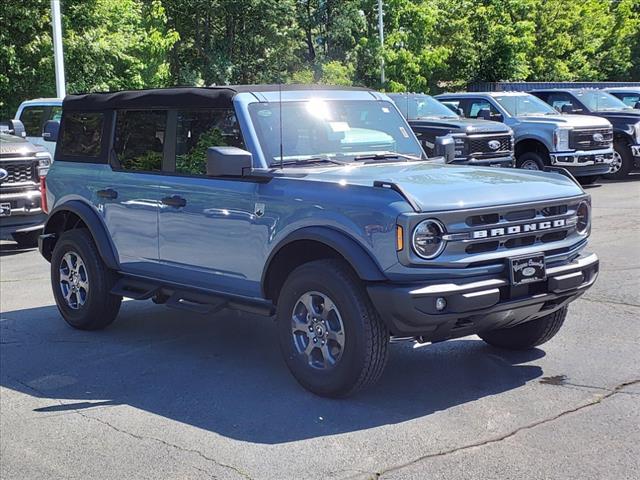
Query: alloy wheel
(616, 165)
(317, 330)
(530, 165)
(74, 280)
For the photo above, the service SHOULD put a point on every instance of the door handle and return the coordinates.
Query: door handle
(108, 194)
(174, 201)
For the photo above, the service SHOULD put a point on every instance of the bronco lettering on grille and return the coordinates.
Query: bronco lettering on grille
(516, 229)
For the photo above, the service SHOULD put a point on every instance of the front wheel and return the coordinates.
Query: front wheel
(622, 161)
(530, 161)
(27, 239)
(331, 337)
(82, 282)
(527, 335)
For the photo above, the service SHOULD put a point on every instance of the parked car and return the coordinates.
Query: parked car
(630, 96)
(22, 165)
(477, 142)
(582, 145)
(34, 114)
(625, 121)
(313, 204)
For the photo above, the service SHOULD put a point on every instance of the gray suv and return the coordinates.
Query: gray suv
(315, 206)
(581, 144)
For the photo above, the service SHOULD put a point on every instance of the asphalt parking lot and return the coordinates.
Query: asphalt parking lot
(161, 394)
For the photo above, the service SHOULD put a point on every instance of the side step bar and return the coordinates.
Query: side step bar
(186, 298)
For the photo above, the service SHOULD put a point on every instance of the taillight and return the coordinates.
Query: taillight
(43, 194)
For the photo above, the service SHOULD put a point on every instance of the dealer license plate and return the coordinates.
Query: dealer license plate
(5, 209)
(527, 269)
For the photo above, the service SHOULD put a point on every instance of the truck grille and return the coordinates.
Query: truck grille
(479, 145)
(591, 139)
(24, 172)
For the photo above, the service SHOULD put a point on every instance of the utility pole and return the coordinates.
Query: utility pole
(381, 32)
(57, 48)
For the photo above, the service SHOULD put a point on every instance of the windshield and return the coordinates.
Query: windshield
(598, 101)
(422, 106)
(318, 129)
(523, 105)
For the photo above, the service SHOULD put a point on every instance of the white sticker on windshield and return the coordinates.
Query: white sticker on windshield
(339, 127)
(404, 132)
(385, 109)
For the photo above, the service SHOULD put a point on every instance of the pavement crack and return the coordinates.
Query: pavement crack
(595, 401)
(601, 300)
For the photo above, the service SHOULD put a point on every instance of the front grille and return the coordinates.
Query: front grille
(584, 139)
(479, 145)
(506, 229)
(20, 172)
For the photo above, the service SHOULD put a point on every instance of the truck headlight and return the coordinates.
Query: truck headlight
(637, 132)
(561, 138)
(583, 212)
(427, 239)
(44, 162)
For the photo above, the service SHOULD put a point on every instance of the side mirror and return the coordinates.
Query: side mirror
(459, 111)
(50, 131)
(13, 127)
(445, 147)
(566, 108)
(228, 162)
(637, 106)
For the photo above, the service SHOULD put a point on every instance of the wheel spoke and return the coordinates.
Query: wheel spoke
(307, 301)
(327, 358)
(309, 348)
(337, 337)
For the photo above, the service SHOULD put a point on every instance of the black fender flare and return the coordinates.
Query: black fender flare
(94, 224)
(365, 267)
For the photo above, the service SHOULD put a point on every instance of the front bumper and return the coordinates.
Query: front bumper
(507, 161)
(584, 162)
(26, 213)
(479, 305)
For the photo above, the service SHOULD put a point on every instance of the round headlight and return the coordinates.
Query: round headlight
(427, 239)
(584, 218)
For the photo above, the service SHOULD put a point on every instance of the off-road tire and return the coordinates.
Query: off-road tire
(100, 308)
(530, 158)
(624, 151)
(27, 239)
(527, 335)
(366, 337)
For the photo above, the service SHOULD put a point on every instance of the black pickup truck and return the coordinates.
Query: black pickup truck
(21, 167)
(625, 121)
(477, 142)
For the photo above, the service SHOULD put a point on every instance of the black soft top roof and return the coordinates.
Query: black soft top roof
(212, 97)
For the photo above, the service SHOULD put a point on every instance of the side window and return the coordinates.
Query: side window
(33, 118)
(139, 139)
(559, 100)
(55, 113)
(81, 134)
(630, 99)
(475, 106)
(197, 130)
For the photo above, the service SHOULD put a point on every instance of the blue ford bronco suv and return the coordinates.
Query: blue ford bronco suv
(313, 205)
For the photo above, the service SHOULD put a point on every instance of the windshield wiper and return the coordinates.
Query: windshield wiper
(308, 161)
(386, 156)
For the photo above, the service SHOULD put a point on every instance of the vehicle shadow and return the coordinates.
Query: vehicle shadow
(224, 374)
(10, 248)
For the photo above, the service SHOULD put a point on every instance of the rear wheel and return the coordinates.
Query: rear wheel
(622, 161)
(82, 282)
(530, 161)
(331, 337)
(527, 335)
(27, 239)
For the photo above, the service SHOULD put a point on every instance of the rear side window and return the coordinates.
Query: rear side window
(197, 130)
(33, 118)
(139, 139)
(475, 106)
(81, 134)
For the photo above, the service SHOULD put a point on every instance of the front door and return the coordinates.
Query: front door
(205, 223)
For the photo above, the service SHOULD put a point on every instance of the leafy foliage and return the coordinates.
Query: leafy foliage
(429, 45)
(195, 161)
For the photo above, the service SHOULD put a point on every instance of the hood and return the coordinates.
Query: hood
(568, 120)
(12, 146)
(452, 187)
(466, 125)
